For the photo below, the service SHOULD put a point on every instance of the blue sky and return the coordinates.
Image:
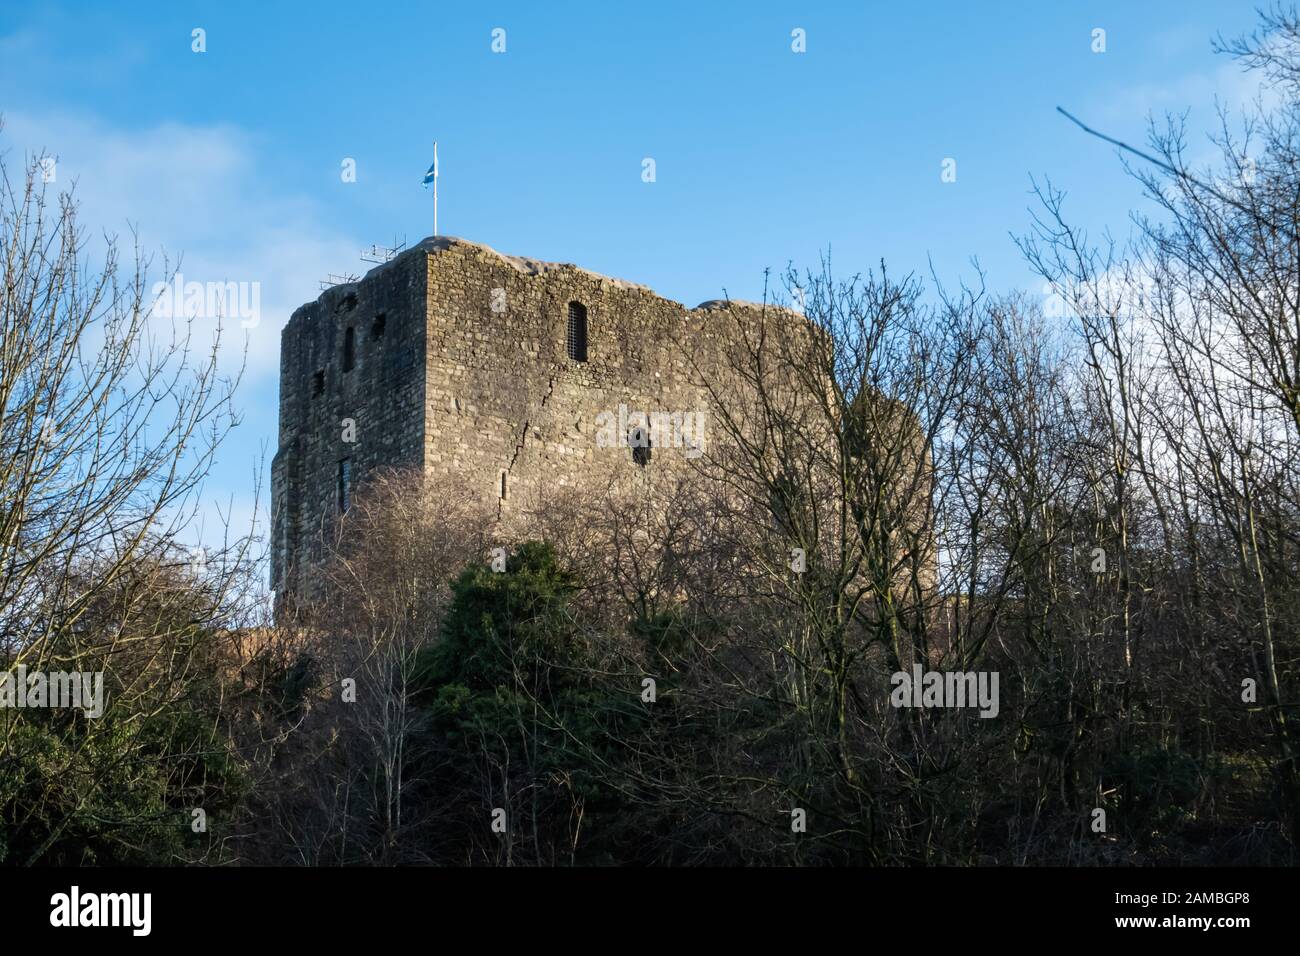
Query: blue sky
(762, 155)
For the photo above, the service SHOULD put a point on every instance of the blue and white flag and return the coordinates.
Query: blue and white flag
(432, 174)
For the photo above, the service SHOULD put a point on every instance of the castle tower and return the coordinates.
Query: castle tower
(504, 376)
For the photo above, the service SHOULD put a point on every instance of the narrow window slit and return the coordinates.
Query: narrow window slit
(349, 349)
(577, 335)
(345, 485)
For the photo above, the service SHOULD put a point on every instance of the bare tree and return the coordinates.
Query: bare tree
(109, 421)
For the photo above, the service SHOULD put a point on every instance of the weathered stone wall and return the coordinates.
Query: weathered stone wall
(505, 399)
(472, 380)
(378, 404)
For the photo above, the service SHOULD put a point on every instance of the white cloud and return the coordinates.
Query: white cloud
(1227, 85)
(193, 192)
(1127, 113)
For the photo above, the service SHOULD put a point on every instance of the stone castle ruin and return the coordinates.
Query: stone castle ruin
(500, 376)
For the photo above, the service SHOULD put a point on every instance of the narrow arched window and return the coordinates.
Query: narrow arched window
(349, 349)
(783, 498)
(577, 338)
(639, 438)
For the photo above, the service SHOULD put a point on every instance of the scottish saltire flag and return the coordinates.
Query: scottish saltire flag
(432, 174)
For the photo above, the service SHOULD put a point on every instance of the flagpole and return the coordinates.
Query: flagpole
(435, 188)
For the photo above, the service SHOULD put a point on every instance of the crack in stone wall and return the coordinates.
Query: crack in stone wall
(464, 345)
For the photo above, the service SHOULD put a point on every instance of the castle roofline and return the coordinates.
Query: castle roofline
(524, 264)
(530, 266)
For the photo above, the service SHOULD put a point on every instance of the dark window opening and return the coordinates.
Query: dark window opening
(345, 485)
(577, 337)
(503, 486)
(318, 383)
(377, 327)
(783, 499)
(349, 349)
(639, 439)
